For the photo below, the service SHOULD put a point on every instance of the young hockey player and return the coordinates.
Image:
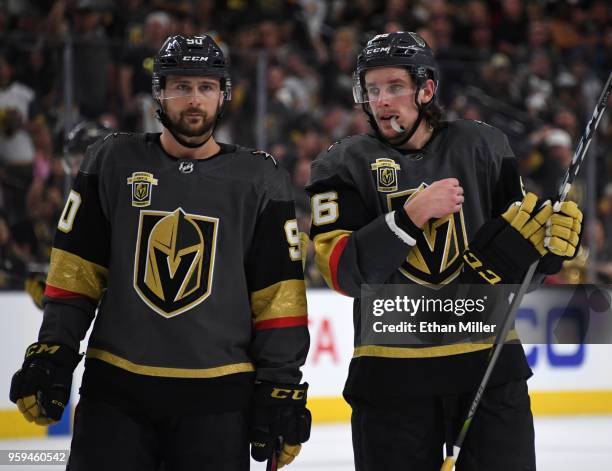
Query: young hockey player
(189, 251)
(425, 201)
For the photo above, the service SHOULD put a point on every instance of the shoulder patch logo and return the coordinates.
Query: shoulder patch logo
(386, 174)
(174, 260)
(142, 186)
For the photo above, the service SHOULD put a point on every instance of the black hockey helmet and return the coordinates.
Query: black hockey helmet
(81, 136)
(401, 49)
(193, 55)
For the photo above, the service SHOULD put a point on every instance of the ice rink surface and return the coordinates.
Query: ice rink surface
(562, 444)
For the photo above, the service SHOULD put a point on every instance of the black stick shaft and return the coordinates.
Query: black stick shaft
(572, 171)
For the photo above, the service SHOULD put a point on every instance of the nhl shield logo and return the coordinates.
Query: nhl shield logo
(142, 185)
(386, 174)
(175, 257)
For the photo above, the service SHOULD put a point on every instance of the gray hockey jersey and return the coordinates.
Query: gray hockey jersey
(194, 266)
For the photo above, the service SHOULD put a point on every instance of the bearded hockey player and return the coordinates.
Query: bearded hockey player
(189, 251)
(421, 200)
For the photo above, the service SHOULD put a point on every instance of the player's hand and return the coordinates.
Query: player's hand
(563, 230)
(441, 198)
(530, 221)
(41, 388)
(562, 236)
(503, 248)
(34, 285)
(279, 412)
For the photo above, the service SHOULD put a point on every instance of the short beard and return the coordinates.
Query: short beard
(181, 127)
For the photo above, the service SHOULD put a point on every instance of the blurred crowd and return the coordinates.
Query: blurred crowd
(533, 68)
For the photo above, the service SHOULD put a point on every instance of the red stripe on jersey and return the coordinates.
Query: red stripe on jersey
(334, 259)
(281, 322)
(53, 292)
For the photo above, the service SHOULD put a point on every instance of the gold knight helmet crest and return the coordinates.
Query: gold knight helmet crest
(174, 260)
(142, 186)
(386, 174)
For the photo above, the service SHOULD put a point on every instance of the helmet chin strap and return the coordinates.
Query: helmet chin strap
(398, 127)
(163, 118)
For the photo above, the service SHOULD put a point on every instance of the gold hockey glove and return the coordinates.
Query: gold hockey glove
(563, 230)
(279, 415)
(504, 247)
(35, 286)
(532, 227)
(41, 388)
(562, 238)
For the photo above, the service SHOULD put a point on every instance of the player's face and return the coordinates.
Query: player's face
(390, 93)
(192, 103)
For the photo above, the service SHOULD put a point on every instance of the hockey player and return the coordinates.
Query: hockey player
(189, 251)
(79, 138)
(425, 201)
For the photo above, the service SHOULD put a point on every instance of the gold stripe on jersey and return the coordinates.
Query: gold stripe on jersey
(73, 273)
(165, 372)
(426, 352)
(283, 299)
(324, 245)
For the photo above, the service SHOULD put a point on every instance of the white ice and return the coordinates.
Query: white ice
(562, 444)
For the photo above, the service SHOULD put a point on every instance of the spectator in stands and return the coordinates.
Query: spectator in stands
(135, 70)
(12, 265)
(94, 70)
(16, 146)
(511, 27)
(548, 58)
(337, 74)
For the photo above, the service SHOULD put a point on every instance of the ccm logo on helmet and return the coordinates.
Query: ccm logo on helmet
(374, 50)
(194, 59)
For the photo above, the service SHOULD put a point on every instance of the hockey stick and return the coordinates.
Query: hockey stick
(572, 171)
(272, 464)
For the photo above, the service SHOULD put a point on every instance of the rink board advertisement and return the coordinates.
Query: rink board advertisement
(568, 379)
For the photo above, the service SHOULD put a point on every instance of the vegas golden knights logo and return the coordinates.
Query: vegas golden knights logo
(142, 187)
(386, 174)
(175, 258)
(437, 257)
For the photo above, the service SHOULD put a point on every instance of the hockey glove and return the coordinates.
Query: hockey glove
(504, 247)
(562, 238)
(279, 414)
(41, 388)
(35, 286)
